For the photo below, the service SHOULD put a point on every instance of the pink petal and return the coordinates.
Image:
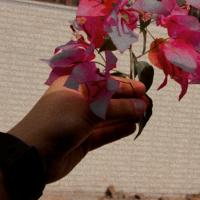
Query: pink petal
(163, 7)
(83, 73)
(95, 34)
(111, 61)
(100, 105)
(122, 38)
(181, 55)
(56, 73)
(112, 85)
(71, 53)
(183, 26)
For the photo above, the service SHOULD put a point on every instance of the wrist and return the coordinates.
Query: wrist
(23, 171)
(3, 192)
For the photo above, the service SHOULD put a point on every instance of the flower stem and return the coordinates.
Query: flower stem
(131, 63)
(133, 60)
(101, 55)
(144, 32)
(150, 34)
(146, 52)
(99, 64)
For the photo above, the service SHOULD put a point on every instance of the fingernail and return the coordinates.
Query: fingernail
(139, 106)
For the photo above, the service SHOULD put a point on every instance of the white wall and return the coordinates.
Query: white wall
(165, 159)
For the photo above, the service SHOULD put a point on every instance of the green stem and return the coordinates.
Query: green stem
(144, 32)
(150, 49)
(101, 55)
(133, 60)
(131, 63)
(134, 63)
(100, 64)
(150, 34)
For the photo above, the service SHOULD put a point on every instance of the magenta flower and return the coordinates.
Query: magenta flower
(177, 59)
(114, 18)
(67, 56)
(183, 27)
(162, 7)
(159, 9)
(120, 25)
(91, 15)
(75, 59)
(100, 85)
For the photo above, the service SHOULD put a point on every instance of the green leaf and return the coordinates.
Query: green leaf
(119, 74)
(145, 73)
(146, 117)
(108, 45)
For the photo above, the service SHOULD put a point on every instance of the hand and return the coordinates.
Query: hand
(63, 129)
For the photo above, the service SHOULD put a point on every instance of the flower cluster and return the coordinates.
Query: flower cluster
(109, 25)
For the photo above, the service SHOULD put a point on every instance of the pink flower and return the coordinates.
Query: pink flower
(162, 7)
(111, 17)
(91, 15)
(67, 56)
(94, 28)
(120, 25)
(183, 27)
(159, 9)
(95, 8)
(100, 85)
(177, 59)
(75, 59)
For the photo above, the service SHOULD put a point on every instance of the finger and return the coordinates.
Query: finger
(109, 133)
(129, 88)
(126, 108)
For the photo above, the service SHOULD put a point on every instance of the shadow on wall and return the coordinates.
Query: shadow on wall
(64, 2)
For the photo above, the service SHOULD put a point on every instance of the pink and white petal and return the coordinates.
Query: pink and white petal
(122, 39)
(181, 55)
(67, 58)
(100, 105)
(176, 24)
(90, 8)
(112, 85)
(111, 61)
(147, 6)
(71, 83)
(86, 72)
(154, 6)
(56, 73)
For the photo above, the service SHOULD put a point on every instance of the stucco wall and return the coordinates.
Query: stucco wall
(165, 159)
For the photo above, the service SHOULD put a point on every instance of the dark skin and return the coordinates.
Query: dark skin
(63, 129)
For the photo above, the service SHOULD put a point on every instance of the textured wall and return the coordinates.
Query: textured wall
(165, 159)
